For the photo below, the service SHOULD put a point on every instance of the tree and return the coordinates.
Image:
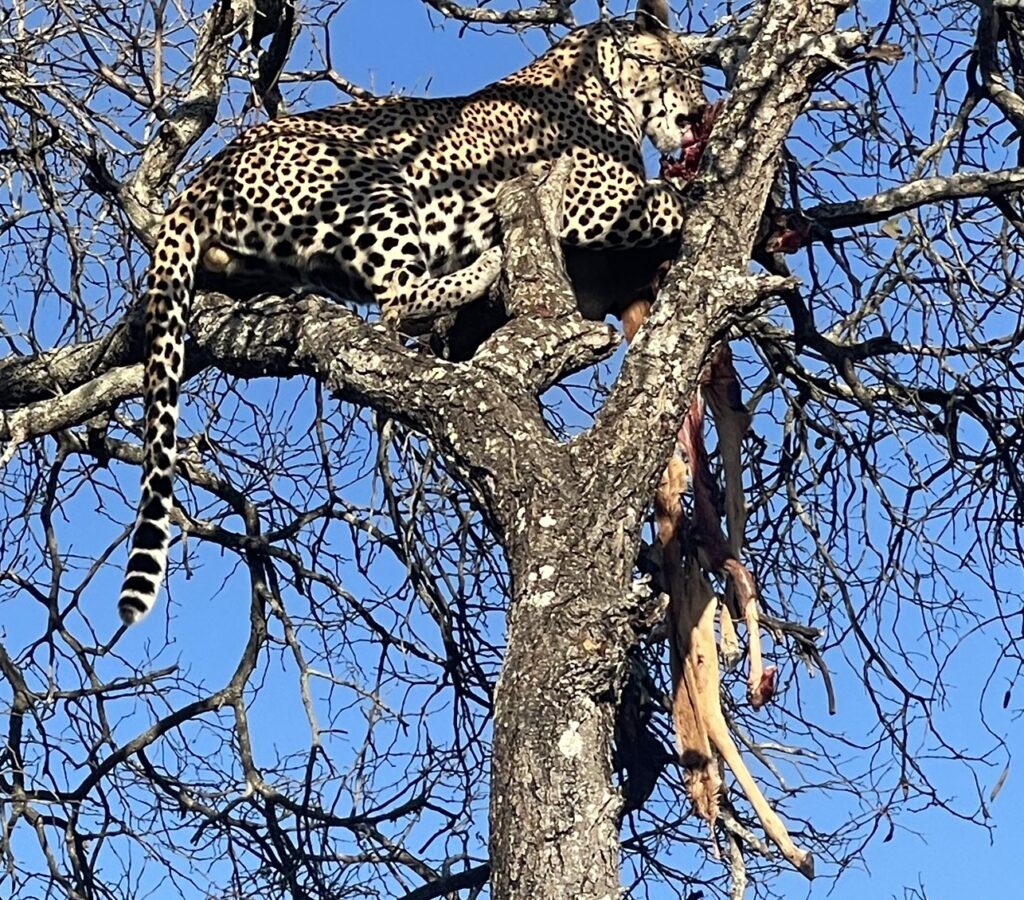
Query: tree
(438, 563)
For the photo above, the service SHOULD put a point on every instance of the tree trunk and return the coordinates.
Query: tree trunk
(554, 808)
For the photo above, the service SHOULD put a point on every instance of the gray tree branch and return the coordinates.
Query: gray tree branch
(827, 217)
(549, 12)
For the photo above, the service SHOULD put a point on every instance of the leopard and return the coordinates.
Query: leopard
(392, 201)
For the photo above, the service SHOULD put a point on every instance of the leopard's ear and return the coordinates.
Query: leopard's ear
(652, 15)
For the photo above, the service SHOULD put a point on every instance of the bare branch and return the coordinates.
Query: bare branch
(548, 12)
(827, 217)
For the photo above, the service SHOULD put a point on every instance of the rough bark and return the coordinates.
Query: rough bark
(554, 808)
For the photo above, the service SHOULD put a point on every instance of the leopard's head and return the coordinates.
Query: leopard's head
(662, 79)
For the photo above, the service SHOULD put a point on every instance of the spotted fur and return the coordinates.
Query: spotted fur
(392, 200)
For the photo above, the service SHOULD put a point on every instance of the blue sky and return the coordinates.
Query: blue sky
(948, 857)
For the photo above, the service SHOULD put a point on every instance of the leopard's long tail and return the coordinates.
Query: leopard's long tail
(169, 286)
